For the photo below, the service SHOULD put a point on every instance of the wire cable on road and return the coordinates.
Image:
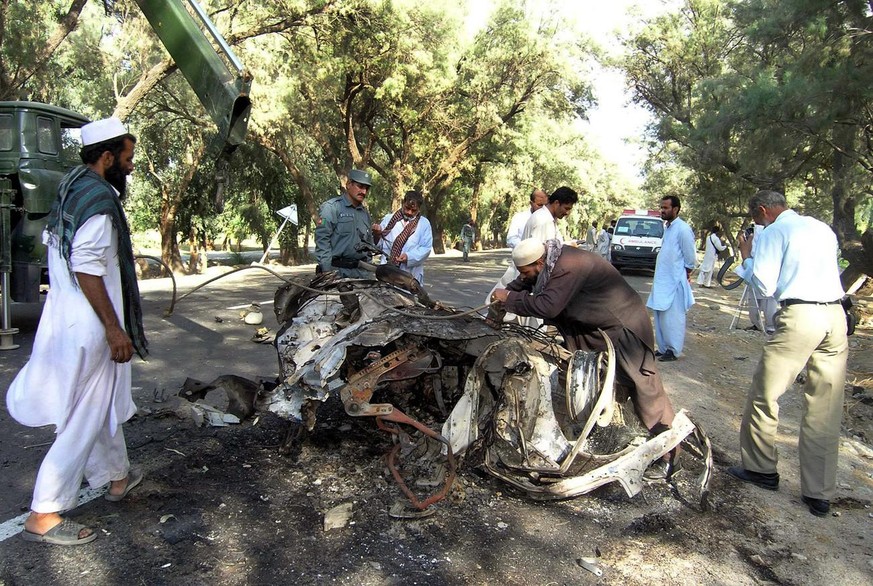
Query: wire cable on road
(363, 292)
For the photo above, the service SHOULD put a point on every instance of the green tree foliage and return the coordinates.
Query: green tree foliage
(395, 87)
(43, 42)
(765, 94)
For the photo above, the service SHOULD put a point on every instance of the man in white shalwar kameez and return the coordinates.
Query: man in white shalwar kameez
(604, 239)
(405, 237)
(78, 377)
(710, 255)
(542, 225)
(671, 295)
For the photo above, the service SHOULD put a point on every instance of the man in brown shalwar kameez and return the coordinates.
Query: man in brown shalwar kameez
(579, 292)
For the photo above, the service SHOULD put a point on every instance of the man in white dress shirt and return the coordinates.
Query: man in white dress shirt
(543, 223)
(405, 237)
(795, 260)
(538, 199)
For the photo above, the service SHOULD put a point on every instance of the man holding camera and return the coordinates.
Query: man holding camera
(795, 260)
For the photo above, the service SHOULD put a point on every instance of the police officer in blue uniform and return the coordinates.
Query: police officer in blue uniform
(344, 222)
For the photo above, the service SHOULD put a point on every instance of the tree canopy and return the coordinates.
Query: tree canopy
(744, 94)
(765, 94)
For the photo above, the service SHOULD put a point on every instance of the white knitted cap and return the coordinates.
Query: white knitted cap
(528, 252)
(102, 130)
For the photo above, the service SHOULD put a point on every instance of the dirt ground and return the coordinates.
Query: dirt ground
(221, 505)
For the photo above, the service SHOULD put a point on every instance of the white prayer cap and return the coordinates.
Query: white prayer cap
(528, 252)
(102, 130)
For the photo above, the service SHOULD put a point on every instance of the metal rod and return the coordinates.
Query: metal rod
(219, 40)
(4, 284)
(273, 239)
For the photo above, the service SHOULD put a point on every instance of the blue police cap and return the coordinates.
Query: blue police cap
(360, 177)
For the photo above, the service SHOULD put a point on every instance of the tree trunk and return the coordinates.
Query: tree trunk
(167, 228)
(197, 261)
(859, 253)
(855, 248)
(437, 195)
(398, 191)
(844, 202)
(439, 244)
(477, 191)
(305, 250)
(170, 201)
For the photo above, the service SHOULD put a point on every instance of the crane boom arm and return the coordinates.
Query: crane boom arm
(224, 92)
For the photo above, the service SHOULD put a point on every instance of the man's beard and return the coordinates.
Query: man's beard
(117, 178)
(530, 280)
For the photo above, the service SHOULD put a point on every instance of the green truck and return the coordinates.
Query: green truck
(40, 142)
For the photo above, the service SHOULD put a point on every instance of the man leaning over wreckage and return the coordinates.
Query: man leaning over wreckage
(78, 376)
(579, 292)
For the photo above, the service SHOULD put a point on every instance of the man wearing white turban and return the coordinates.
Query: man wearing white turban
(579, 292)
(542, 225)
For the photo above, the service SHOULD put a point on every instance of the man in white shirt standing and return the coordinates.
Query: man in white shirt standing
(538, 199)
(707, 265)
(405, 237)
(604, 239)
(78, 377)
(543, 223)
(795, 260)
(591, 236)
(671, 295)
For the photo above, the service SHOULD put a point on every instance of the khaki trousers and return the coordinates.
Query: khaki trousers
(813, 335)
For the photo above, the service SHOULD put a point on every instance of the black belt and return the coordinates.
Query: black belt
(344, 262)
(787, 302)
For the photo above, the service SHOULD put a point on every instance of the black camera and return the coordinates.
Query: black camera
(750, 231)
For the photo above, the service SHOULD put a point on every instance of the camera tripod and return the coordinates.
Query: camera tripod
(749, 301)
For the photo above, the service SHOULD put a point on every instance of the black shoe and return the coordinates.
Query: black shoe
(768, 481)
(659, 470)
(658, 353)
(818, 507)
(662, 469)
(752, 328)
(343, 319)
(668, 356)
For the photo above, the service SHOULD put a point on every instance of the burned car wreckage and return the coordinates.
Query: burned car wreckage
(507, 399)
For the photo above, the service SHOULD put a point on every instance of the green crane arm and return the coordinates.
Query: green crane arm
(224, 93)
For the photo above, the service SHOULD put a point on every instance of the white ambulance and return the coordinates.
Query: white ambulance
(637, 239)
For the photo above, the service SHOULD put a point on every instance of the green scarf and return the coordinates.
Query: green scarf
(82, 195)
